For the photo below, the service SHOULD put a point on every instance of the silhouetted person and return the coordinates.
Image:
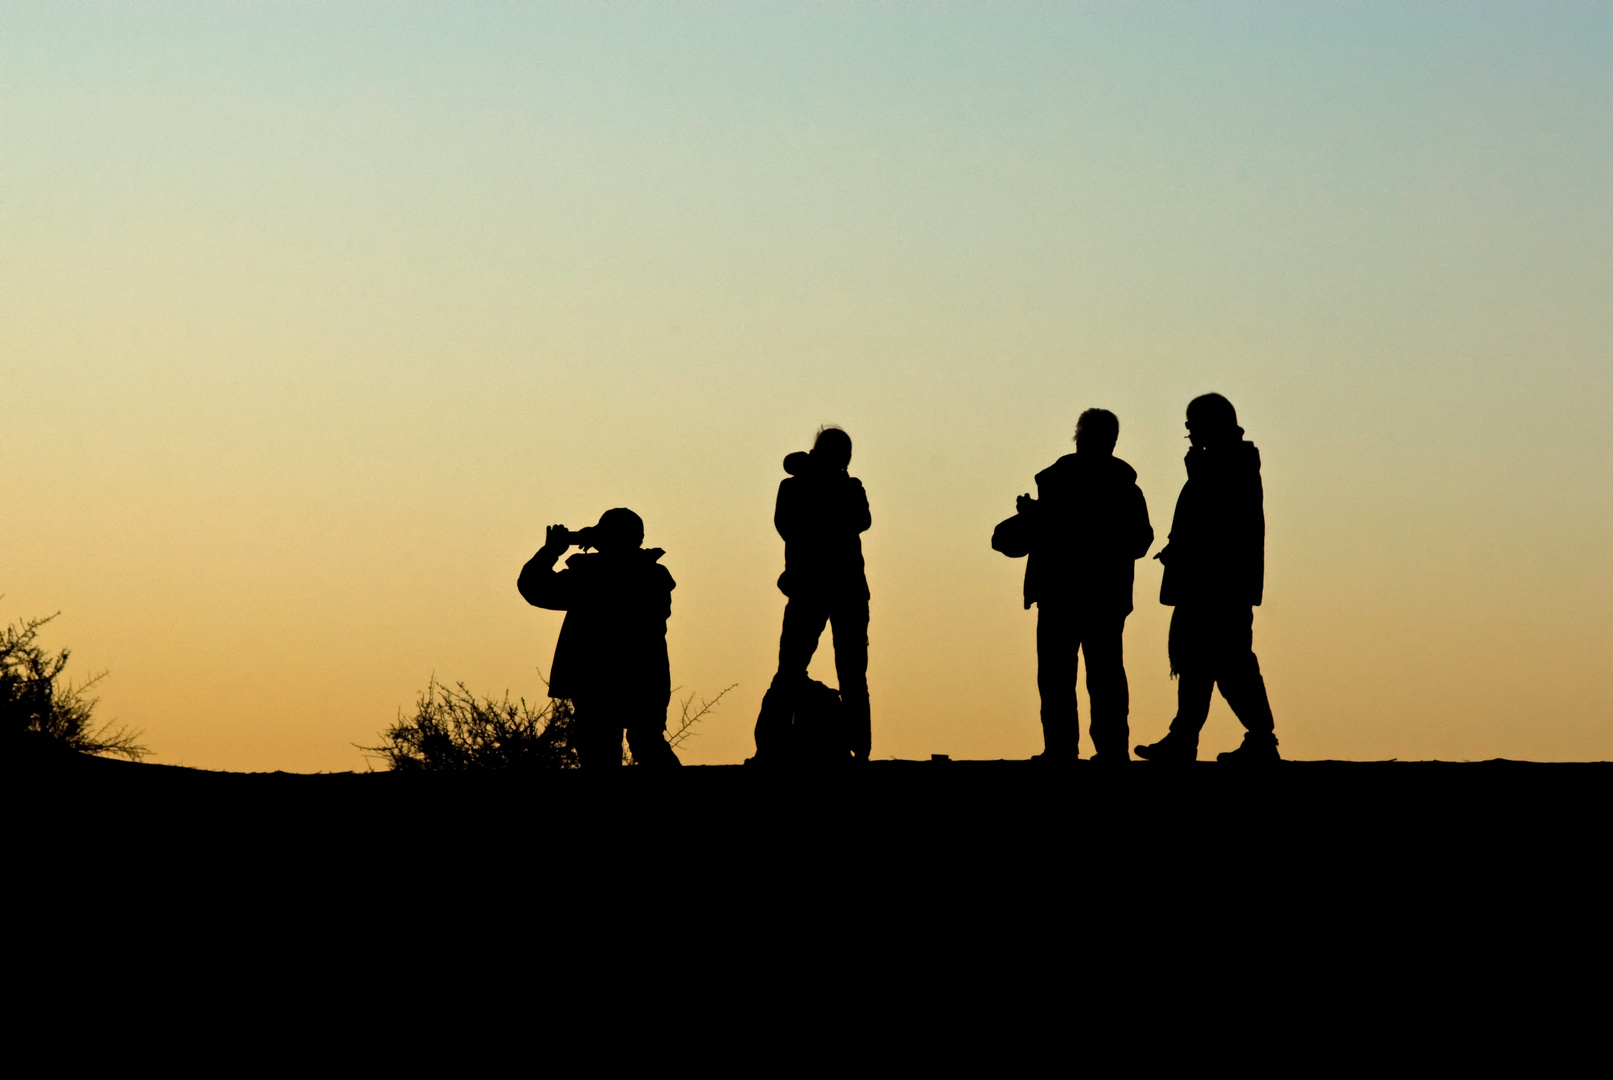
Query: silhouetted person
(1215, 566)
(821, 513)
(611, 658)
(1084, 534)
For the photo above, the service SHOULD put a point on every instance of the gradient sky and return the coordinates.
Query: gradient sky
(313, 315)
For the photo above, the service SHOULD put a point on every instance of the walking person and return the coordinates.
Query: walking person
(1083, 534)
(1215, 564)
(611, 657)
(821, 512)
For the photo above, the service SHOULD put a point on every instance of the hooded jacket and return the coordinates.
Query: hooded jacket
(614, 638)
(1089, 526)
(1217, 548)
(821, 516)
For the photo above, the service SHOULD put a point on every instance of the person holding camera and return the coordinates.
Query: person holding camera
(611, 658)
(1084, 535)
(821, 512)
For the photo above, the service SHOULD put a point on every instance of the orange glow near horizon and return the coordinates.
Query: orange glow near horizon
(314, 320)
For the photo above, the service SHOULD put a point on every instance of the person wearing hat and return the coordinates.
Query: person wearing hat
(611, 658)
(1215, 568)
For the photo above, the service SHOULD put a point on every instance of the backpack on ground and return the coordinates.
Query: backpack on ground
(807, 727)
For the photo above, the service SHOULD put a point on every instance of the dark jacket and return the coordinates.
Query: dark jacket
(614, 637)
(1217, 549)
(1088, 528)
(822, 518)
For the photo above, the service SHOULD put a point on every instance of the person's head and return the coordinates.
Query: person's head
(1096, 432)
(618, 530)
(831, 450)
(1211, 421)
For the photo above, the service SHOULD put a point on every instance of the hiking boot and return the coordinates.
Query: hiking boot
(1255, 748)
(1111, 757)
(1172, 747)
(1055, 758)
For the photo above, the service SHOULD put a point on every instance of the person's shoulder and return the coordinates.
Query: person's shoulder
(1122, 470)
(658, 573)
(1061, 468)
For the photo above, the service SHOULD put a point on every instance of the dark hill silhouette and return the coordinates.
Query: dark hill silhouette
(1360, 880)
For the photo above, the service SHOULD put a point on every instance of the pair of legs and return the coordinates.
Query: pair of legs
(600, 720)
(804, 620)
(1060, 633)
(1213, 646)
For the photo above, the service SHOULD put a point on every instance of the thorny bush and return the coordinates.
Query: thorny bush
(452, 730)
(42, 711)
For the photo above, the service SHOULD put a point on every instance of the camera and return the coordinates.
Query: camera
(583, 538)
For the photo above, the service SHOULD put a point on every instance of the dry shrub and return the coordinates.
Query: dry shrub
(41, 712)
(452, 730)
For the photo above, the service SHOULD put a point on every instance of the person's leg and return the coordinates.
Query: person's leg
(804, 621)
(1238, 676)
(803, 625)
(646, 735)
(597, 734)
(1103, 642)
(850, 622)
(1057, 641)
(1193, 650)
(649, 746)
(1192, 662)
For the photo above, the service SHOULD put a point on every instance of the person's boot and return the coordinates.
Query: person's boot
(1256, 748)
(1173, 747)
(1111, 754)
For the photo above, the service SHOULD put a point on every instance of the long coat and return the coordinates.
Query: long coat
(1217, 549)
(1088, 528)
(614, 638)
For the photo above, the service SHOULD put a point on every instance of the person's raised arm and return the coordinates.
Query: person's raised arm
(538, 583)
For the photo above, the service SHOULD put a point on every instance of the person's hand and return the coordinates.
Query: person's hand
(1024, 503)
(557, 538)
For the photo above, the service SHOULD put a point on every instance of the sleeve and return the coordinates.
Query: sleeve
(1141, 533)
(861, 518)
(784, 514)
(542, 587)
(1256, 542)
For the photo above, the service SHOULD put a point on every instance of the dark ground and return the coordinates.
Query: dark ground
(1382, 888)
(933, 851)
(895, 826)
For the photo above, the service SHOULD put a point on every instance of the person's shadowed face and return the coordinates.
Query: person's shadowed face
(831, 451)
(1212, 422)
(1096, 432)
(618, 530)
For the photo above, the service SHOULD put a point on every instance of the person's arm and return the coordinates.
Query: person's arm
(784, 511)
(861, 517)
(538, 583)
(1141, 536)
(1255, 542)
